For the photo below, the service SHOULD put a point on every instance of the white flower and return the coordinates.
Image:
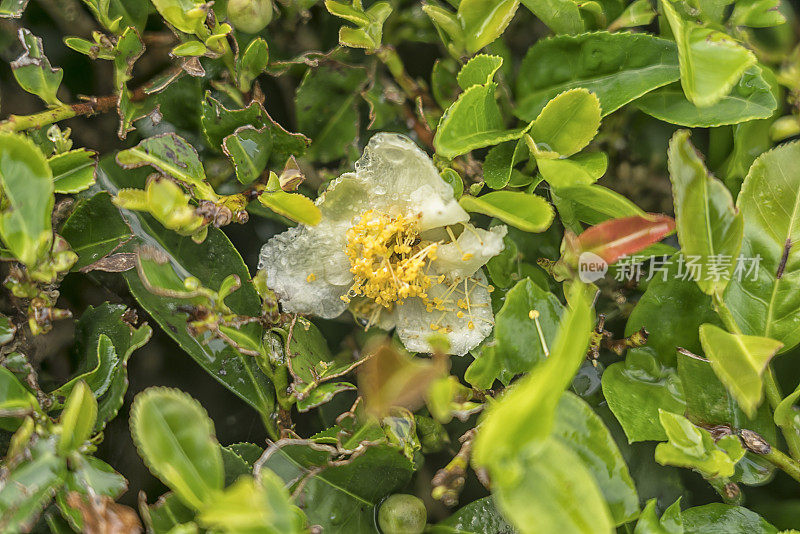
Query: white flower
(395, 247)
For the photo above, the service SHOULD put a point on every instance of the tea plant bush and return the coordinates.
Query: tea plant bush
(477, 266)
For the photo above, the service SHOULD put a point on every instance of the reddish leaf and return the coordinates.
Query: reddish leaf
(621, 237)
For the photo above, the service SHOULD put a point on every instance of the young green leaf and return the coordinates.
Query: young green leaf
(766, 301)
(479, 70)
(292, 205)
(29, 488)
(709, 226)
(14, 398)
(77, 419)
(567, 123)
(530, 213)
(249, 151)
(670, 521)
(631, 66)
(176, 439)
(252, 63)
(27, 185)
(739, 361)
(483, 21)
(693, 447)
(725, 518)
(580, 169)
(561, 16)
(33, 71)
(73, 171)
(711, 62)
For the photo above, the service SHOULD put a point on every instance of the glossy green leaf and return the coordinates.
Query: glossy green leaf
(327, 109)
(252, 506)
(73, 171)
(751, 98)
(175, 437)
(14, 398)
(766, 302)
(591, 204)
(530, 213)
(27, 186)
(709, 226)
(518, 346)
(252, 63)
(483, 21)
(12, 8)
(693, 447)
(617, 67)
(524, 418)
(292, 205)
(95, 229)
(561, 16)
(29, 488)
(638, 13)
(757, 13)
(787, 416)
(237, 372)
(183, 14)
(567, 123)
(582, 430)
(498, 166)
(637, 389)
(711, 62)
(478, 517)
(172, 156)
(479, 70)
(77, 419)
(739, 361)
(249, 150)
(33, 70)
(724, 518)
(580, 169)
(670, 521)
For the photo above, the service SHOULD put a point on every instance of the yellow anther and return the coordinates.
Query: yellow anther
(533, 314)
(311, 277)
(468, 256)
(471, 325)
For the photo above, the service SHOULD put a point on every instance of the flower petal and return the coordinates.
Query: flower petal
(394, 175)
(470, 251)
(414, 320)
(308, 269)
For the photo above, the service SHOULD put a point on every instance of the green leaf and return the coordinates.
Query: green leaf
(637, 389)
(89, 476)
(591, 204)
(14, 398)
(561, 16)
(249, 151)
(583, 431)
(34, 72)
(498, 166)
(530, 213)
(768, 303)
(185, 15)
(786, 415)
(693, 447)
(292, 205)
(552, 490)
(344, 496)
(479, 70)
(478, 517)
(709, 226)
(173, 156)
(237, 372)
(167, 514)
(617, 67)
(473, 121)
(739, 361)
(568, 122)
(78, 419)
(175, 438)
(525, 416)
(483, 21)
(670, 521)
(73, 171)
(580, 169)
(750, 99)
(757, 13)
(517, 344)
(322, 394)
(27, 187)
(327, 109)
(724, 518)
(12, 8)
(638, 13)
(94, 230)
(252, 63)
(29, 487)
(252, 506)
(711, 62)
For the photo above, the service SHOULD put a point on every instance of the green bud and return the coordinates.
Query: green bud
(250, 16)
(402, 514)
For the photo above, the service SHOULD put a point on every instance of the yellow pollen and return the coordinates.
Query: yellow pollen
(311, 277)
(388, 259)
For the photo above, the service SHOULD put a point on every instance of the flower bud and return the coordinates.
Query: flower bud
(250, 16)
(402, 514)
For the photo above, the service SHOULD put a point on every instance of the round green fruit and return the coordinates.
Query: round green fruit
(402, 514)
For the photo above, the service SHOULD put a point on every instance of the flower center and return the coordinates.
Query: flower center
(388, 260)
